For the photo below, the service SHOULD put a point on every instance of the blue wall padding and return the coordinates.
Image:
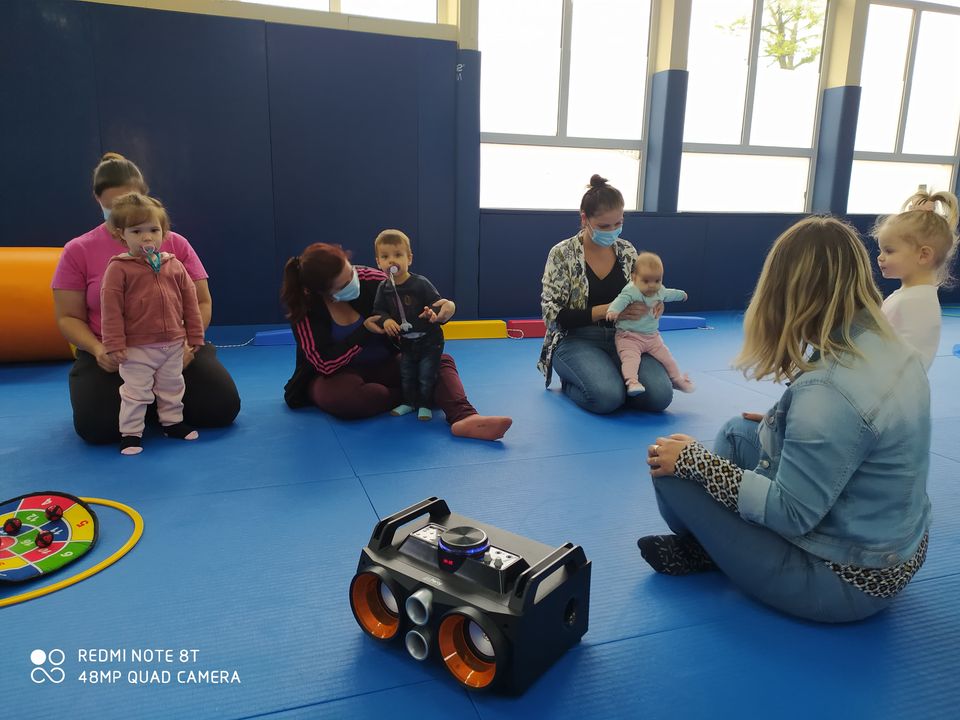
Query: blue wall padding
(260, 138)
(348, 145)
(467, 231)
(668, 103)
(49, 131)
(839, 109)
(197, 123)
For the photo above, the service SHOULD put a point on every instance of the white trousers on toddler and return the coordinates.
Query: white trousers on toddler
(151, 371)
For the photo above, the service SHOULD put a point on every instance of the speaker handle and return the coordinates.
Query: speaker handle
(384, 531)
(568, 554)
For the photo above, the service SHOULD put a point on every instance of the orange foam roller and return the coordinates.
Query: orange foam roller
(28, 325)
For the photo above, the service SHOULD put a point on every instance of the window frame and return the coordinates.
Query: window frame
(562, 139)
(918, 7)
(744, 147)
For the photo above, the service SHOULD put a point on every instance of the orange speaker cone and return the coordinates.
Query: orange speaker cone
(374, 605)
(465, 658)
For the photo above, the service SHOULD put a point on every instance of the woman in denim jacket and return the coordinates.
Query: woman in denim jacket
(821, 509)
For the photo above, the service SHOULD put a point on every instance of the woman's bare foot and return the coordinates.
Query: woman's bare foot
(482, 427)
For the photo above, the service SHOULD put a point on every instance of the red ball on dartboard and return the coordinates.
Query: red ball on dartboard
(54, 512)
(44, 539)
(12, 526)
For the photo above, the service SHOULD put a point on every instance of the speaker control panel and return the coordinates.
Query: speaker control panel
(465, 552)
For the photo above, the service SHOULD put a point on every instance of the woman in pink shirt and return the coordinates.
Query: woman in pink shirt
(211, 398)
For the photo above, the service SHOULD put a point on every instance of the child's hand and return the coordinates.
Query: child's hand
(612, 316)
(189, 351)
(372, 324)
(428, 314)
(118, 356)
(391, 328)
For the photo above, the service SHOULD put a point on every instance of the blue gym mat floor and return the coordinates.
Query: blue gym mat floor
(252, 535)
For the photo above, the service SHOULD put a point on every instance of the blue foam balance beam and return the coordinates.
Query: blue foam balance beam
(681, 322)
(274, 337)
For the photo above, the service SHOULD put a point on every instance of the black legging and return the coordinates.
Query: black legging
(210, 400)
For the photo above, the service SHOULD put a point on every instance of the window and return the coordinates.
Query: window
(323, 5)
(881, 187)
(563, 91)
(415, 10)
(552, 178)
(751, 104)
(424, 11)
(909, 108)
(747, 183)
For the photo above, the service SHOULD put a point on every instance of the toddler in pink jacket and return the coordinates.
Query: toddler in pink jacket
(149, 307)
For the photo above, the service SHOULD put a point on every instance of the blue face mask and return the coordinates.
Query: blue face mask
(349, 292)
(106, 213)
(605, 238)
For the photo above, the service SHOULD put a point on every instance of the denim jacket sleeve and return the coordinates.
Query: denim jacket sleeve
(824, 441)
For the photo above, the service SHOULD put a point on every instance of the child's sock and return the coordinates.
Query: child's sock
(634, 388)
(130, 445)
(683, 384)
(424, 414)
(180, 431)
(675, 554)
(401, 410)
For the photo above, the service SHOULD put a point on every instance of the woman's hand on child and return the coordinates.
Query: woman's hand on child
(612, 316)
(662, 455)
(105, 360)
(638, 310)
(189, 353)
(372, 324)
(118, 356)
(391, 328)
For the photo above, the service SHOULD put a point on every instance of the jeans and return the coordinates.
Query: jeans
(419, 363)
(760, 562)
(588, 365)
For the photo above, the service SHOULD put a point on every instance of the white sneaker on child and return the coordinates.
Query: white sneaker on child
(634, 388)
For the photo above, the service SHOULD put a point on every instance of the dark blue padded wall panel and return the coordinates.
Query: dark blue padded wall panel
(49, 137)
(668, 104)
(436, 144)
(513, 250)
(185, 97)
(467, 233)
(345, 123)
(838, 132)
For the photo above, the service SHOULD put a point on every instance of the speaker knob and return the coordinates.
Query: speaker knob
(464, 541)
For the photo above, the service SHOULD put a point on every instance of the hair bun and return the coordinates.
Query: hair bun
(597, 182)
(112, 156)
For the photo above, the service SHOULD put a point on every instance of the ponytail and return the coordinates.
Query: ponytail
(292, 291)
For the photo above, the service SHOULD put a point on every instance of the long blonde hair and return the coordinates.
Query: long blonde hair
(816, 278)
(927, 219)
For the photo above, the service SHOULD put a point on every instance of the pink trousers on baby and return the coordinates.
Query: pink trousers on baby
(151, 371)
(631, 345)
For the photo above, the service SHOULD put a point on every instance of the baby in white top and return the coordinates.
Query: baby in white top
(916, 247)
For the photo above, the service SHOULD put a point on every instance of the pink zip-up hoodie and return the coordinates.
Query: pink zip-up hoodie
(143, 307)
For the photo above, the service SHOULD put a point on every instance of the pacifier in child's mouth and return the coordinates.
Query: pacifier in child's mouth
(394, 269)
(152, 257)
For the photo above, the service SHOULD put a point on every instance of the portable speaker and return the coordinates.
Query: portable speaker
(497, 609)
